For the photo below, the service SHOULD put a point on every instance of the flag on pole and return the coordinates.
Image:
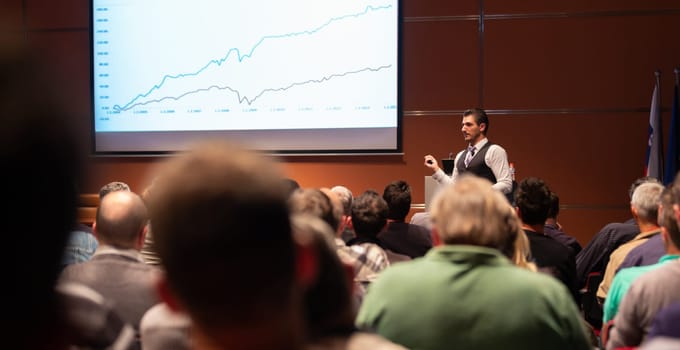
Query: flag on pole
(654, 166)
(673, 153)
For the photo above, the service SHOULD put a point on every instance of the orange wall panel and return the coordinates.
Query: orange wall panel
(439, 8)
(441, 64)
(46, 14)
(569, 6)
(577, 62)
(11, 15)
(568, 85)
(584, 158)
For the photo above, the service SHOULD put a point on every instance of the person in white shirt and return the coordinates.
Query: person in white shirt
(481, 157)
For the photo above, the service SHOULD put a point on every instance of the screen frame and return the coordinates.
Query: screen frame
(97, 138)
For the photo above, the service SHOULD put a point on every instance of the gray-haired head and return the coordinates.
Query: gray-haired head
(346, 198)
(112, 187)
(646, 199)
(639, 181)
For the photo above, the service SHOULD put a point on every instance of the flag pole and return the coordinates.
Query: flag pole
(654, 163)
(657, 74)
(658, 125)
(673, 150)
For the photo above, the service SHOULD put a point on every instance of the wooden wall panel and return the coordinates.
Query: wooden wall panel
(590, 63)
(46, 14)
(568, 6)
(64, 55)
(578, 62)
(437, 135)
(425, 8)
(588, 159)
(11, 15)
(441, 64)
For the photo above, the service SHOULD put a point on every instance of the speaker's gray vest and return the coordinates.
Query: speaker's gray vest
(477, 165)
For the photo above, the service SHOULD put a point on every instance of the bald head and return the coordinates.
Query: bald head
(121, 218)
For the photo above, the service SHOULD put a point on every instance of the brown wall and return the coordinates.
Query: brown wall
(567, 83)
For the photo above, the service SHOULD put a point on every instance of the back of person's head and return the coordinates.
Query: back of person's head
(346, 197)
(554, 208)
(113, 186)
(667, 216)
(471, 212)
(41, 159)
(645, 201)
(328, 301)
(369, 214)
(639, 181)
(533, 200)
(480, 117)
(221, 227)
(291, 185)
(315, 202)
(121, 218)
(397, 194)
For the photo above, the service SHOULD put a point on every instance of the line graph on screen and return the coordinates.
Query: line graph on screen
(161, 66)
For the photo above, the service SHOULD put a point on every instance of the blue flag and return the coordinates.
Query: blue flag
(672, 160)
(654, 165)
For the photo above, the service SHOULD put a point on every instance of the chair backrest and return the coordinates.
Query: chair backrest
(591, 307)
(87, 208)
(606, 330)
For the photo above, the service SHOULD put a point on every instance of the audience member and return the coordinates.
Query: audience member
(42, 159)
(522, 251)
(553, 228)
(648, 294)
(455, 288)
(222, 229)
(659, 343)
(116, 269)
(532, 201)
(80, 246)
(369, 217)
(593, 259)
(328, 304)
(399, 236)
(647, 253)
(346, 197)
(162, 328)
(113, 186)
(595, 256)
(325, 204)
(94, 322)
(625, 277)
(82, 243)
(291, 185)
(645, 208)
(665, 323)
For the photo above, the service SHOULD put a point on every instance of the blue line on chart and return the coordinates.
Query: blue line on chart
(249, 54)
(249, 101)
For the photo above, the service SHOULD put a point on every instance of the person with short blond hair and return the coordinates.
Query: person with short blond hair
(466, 293)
